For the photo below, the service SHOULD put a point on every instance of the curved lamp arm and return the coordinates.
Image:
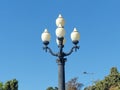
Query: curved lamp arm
(72, 49)
(50, 51)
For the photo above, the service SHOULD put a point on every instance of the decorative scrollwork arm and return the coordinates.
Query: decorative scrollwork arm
(50, 51)
(72, 49)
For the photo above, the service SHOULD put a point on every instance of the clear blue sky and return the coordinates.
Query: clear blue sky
(21, 54)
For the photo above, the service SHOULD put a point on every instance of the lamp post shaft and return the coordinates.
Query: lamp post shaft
(61, 66)
(61, 74)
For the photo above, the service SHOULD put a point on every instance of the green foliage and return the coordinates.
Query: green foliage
(51, 88)
(9, 85)
(114, 71)
(1, 86)
(109, 83)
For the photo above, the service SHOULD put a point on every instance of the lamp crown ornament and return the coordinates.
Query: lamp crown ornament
(46, 31)
(60, 16)
(75, 30)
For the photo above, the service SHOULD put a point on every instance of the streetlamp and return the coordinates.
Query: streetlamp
(60, 33)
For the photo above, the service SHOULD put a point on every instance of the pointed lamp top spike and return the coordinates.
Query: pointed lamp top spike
(75, 30)
(45, 30)
(60, 16)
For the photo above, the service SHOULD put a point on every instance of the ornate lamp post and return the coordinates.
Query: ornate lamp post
(60, 33)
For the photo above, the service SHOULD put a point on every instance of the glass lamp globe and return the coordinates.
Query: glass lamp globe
(75, 36)
(60, 31)
(58, 42)
(60, 21)
(45, 37)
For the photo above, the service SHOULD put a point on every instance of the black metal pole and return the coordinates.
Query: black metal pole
(61, 66)
(61, 74)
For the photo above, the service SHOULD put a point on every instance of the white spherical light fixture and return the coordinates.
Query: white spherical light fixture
(75, 36)
(45, 37)
(60, 31)
(60, 21)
